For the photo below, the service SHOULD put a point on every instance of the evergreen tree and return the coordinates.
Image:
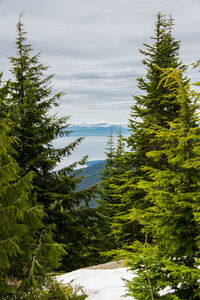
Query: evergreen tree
(108, 167)
(27, 250)
(105, 195)
(117, 205)
(110, 199)
(13, 205)
(30, 99)
(118, 162)
(172, 259)
(109, 161)
(154, 106)
(112, 168)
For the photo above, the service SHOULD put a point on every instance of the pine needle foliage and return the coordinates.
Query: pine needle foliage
(27, 250)
(110, 199)
(155, 105)
(29, 101)
(108, 169)
(105, 197)
(113, 167)
(168, 267)
(13, 205)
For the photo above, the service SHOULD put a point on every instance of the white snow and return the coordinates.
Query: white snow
(99, 284)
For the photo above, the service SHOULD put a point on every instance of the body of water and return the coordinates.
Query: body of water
(94, 142)
(93, 146)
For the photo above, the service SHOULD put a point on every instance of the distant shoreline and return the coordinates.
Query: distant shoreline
(85, 131)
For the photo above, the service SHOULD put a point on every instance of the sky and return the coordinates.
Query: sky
(92, 48)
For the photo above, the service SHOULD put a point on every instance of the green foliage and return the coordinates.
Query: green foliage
(13, 204)
(109, 161)
(155, 105)
(109, 199)
(29, 102)
(171, 260)
(76, 293)
(26, 255)
(52, 291)
(56, 291)
(113, 167)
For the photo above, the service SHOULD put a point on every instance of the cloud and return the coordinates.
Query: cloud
(92, 47)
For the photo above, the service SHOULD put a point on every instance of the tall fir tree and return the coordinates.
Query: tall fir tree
(109, 161)
(168, 267)
(108, 166)
(155, 106)
(120, 149)
(117, 205)
(30, 99)
(112, 168)
(110, 200)
(27, 250)
(105, 195)
(13, 205)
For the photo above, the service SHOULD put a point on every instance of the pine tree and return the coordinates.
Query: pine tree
(118, 163)
(156, 106)
(108, 166)
(105, 195)
(110, 199)
(109, 161)
(171, 260)
(30, 99)
(13, 205)
(117, 205)
(27, 250)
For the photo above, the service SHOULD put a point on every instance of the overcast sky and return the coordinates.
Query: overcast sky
(92, 48)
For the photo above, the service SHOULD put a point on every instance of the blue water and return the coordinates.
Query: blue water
(97, 130)
(93, 146)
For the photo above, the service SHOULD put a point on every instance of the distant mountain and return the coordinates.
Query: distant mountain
(92, 173)
(94, 162)
(96, 130)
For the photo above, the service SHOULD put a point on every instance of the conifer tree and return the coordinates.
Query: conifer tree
(105, 194)
(108, 166)
(27, 250)
(13, 205)
(118, 163)
(30, 99)
(154, 106)
(110, 199)
(117, 205)
(109, 161)
(171, 260)
(110, 182)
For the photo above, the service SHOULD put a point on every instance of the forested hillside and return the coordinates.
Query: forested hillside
(91, 174)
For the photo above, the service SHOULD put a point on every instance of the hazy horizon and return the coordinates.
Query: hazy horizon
(92, 145)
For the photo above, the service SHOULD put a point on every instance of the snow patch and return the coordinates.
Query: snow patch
(99, 284)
